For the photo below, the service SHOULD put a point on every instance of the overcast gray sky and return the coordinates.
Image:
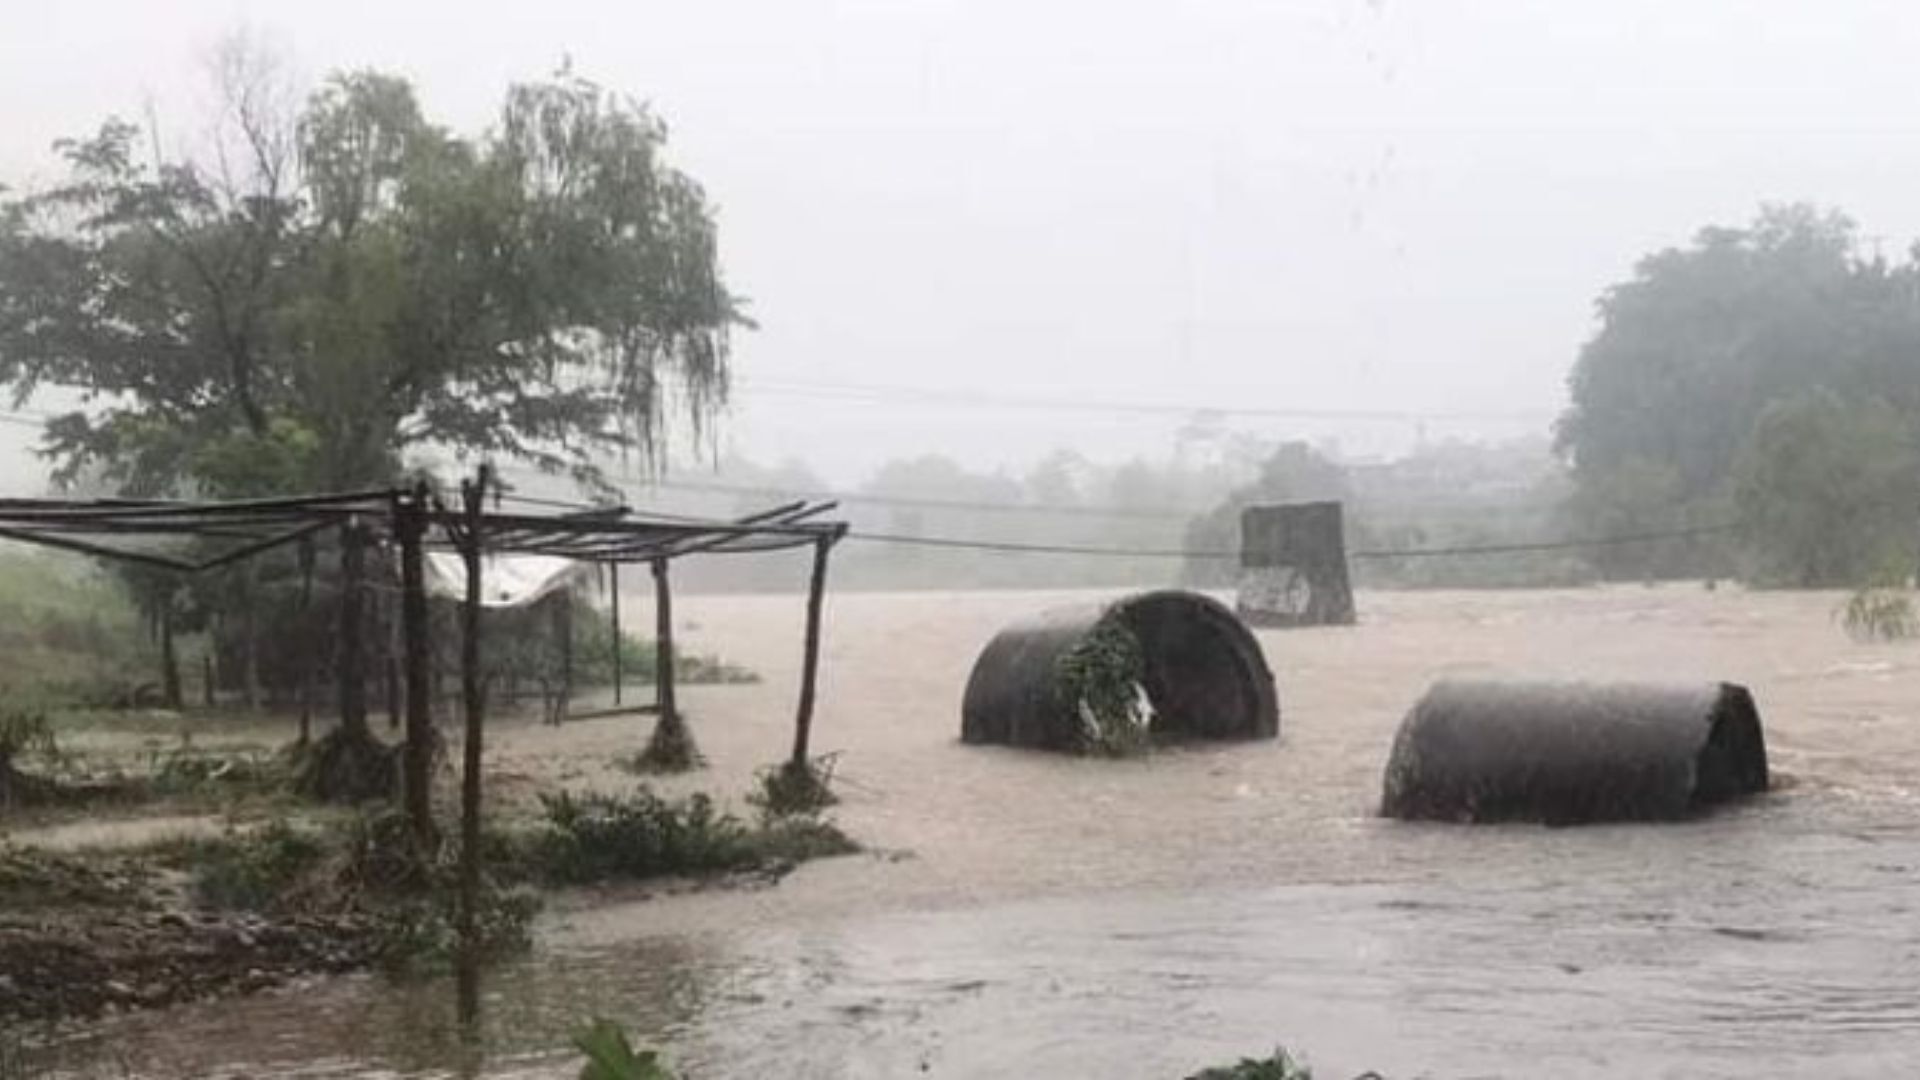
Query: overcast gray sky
(1340, 205)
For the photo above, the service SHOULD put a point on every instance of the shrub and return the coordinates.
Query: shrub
(256, 870)
(597, 837)
(24, 730)
(797, 839)
(1280, 1066)
(792, 788)
(611, 1057)
(1879, 614)
(1099, 680)
(670, 749)
(367, 869)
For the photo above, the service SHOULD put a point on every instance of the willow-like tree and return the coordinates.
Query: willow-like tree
(321, 290)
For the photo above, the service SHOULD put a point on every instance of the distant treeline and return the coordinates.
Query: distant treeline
(1444, 495)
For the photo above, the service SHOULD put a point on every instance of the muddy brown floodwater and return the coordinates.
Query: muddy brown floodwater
(1031, 915)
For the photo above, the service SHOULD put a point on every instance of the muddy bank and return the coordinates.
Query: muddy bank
(82, 938)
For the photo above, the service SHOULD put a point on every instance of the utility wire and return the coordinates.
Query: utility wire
(1234, 556)
(859, 392)
(918, 502)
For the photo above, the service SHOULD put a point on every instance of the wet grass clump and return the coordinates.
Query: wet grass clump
(259, 870)
(366, 872)
(794, 789)
(597, 837)
(594, 837)
(24, 730)
(611, 1056)
(670, 749)
(1879, 614)
(1280, 1065)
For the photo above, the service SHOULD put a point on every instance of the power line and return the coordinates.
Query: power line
(868, 392)
(1051, 509)
(1012, 546)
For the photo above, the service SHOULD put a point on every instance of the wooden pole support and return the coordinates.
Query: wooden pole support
(473, 691)
(809, 671)
(308, 646)
(613, 590)
(663, 641)
(410, 527)
(352, 652)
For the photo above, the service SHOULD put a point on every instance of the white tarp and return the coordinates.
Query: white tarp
(506, 581)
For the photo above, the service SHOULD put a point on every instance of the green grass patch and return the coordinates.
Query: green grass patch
(597, 837)
(1879, 614)
(794, 788)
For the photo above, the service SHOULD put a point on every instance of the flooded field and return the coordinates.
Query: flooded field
(1024, 914)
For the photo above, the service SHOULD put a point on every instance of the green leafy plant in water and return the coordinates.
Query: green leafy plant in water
(1878, 613)
(1099, 682)
(670, 749)
(23, 730)
(610, 1056)
(256, 870)
(597, 837)
(794, 788)
(1279, 1066)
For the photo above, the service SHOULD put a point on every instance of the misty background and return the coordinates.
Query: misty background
(1101, 260)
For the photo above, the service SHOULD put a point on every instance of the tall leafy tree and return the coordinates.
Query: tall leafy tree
(1699, 344)
(1828, 486)
(328, 290)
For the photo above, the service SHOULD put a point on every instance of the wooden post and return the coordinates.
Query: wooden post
(169, 660)
(352, 652)
(249, 635)
(613, 590)
(803, 721)
(663, 642)
(206, 673)
(390, 671)
(474, 495)
(563, 629)
(410, 528)
(308, 643)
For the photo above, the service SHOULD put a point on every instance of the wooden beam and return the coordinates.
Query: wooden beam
(471, 540)
(409, 527)
(663, 641)
(809, 671)
(169, 659)
(563, 644)
(309, 645)
(352, 648)
(613, 590)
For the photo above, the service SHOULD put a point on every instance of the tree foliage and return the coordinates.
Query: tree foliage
(324, 290)
(1827, 490)
(1696, 348)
